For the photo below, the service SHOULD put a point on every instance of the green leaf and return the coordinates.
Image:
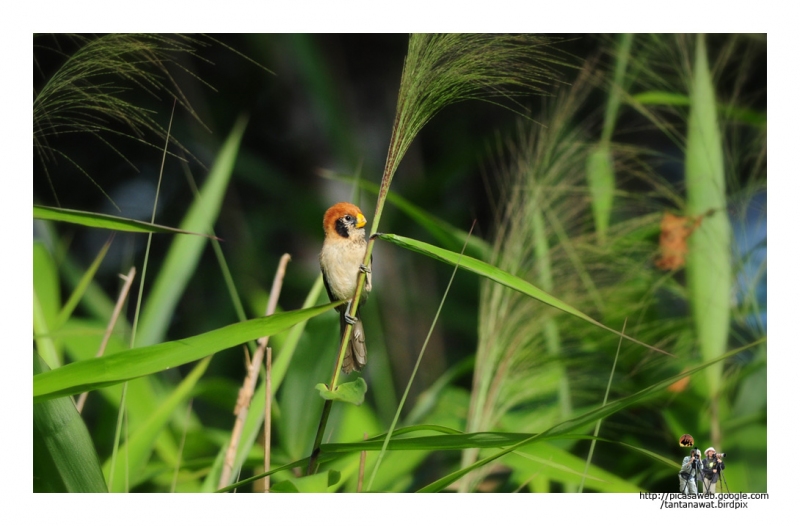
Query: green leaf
(83, 284)
(185, 251)
(350, 392)
(317, 483)
(334, 477)
(45, 283)
(553, 462)
(137, 449)
(41, 332)
(502, 277)
(109, 370)
(46, 303)
(284, 486)
(568, 426)
(708, 263)
(144, 395)
(600, 175)
(663, 98)
(284, 355)
(95, 220)
(64, 458)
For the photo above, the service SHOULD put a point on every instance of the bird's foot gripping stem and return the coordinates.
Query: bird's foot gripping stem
(350, 320)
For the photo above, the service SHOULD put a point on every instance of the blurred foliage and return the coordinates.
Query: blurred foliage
(497, 361)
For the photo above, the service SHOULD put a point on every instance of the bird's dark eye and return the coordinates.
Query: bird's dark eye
(348, 218)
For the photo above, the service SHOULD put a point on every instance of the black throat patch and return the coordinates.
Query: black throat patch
(341, 227)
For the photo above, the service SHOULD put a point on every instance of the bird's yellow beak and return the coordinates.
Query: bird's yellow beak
(360, 221)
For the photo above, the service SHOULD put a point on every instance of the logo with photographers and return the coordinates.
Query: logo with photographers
(701, 471)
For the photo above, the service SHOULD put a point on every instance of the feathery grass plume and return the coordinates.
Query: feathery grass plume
(442, 69)
(439, 70)
(87, 94)
(724, 158)
(693, 93)
(520, 364)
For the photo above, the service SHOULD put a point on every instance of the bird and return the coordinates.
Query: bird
(341, 261)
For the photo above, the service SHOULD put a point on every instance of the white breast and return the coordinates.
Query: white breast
(342, 261)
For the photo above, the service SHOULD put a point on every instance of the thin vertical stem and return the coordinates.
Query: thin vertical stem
(128, 279)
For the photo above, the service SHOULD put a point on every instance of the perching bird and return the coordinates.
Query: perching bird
(341, 261)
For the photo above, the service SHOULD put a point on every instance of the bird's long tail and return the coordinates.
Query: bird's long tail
(355, 357)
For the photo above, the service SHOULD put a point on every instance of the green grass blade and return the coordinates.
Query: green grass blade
(664, 98)
(622, 55)
(600, 164)
(559, 430)
(599, 421)
(551, 461)
(486, 270)
(109, 222)
(708, 265)
(46, 303)
(83, 284)
(64, 458)
(185, 251)
(41, 333)
(109, 370)
(45, 283)
(138, 448)
(284, 355)
(600, 176)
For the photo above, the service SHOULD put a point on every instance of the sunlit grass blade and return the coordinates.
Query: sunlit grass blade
(46, 304)
(94, 373)
(41, 331)
(185, 251)
(500, 276)
(64, 458)
(109, 222)
(45, 282)
(137, 449)
(574, 424)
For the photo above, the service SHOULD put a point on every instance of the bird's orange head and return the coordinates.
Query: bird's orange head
(342, 218)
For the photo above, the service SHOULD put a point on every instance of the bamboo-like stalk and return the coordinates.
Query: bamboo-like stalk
(128, 281)
(249, 384)
(267, 417)
(361, 463)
